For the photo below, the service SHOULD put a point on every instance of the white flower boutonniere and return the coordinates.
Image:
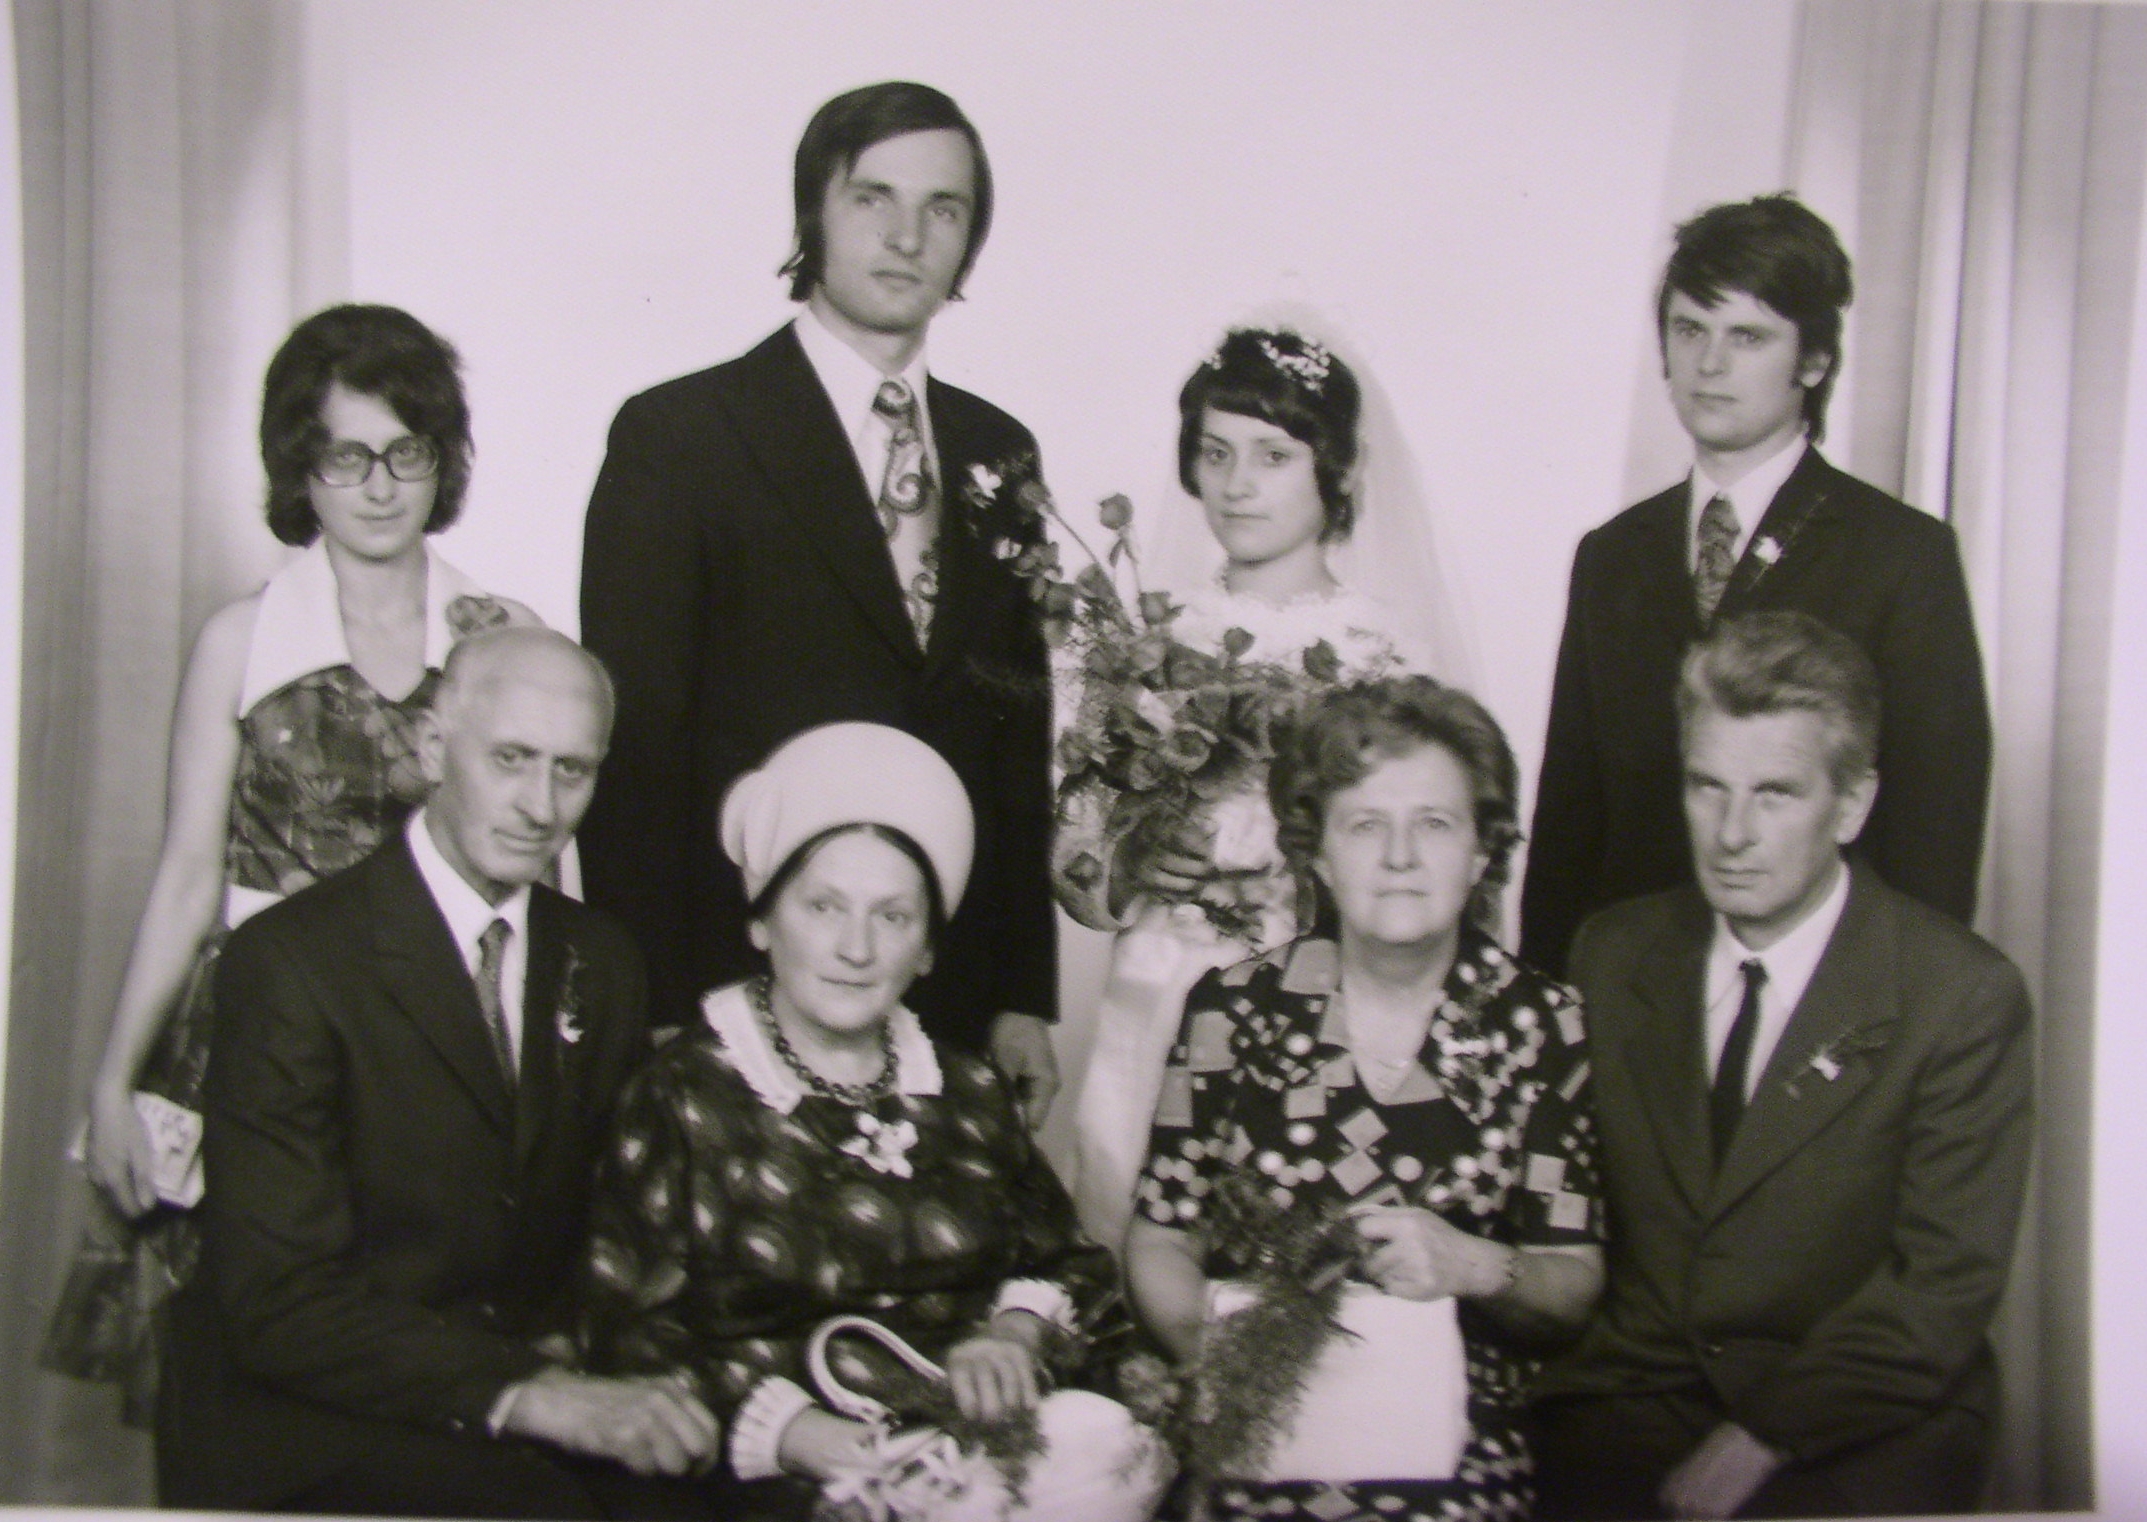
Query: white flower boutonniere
(1830, 1057)
(569, 1019)
(1767, 548)
(986, 480)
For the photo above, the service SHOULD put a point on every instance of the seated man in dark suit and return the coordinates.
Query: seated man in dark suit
(412, 1068)
(817, 531)
(1748, 315)
(1813, 1099)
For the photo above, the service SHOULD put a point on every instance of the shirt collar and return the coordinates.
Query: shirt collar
(1750, 497)
(850, 379)
(730, 1014)
(462, 906)
(1790, 961)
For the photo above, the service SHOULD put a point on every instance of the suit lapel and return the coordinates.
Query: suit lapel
(1802, 503)
(1661, 590)
(1828, 1051)
(426, 979)
(790, 426)
(1663, 1053)
(961, 557)
(545, 1055)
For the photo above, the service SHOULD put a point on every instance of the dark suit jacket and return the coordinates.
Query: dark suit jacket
(386, 1228)
(1833, 1282)
(736, 582)
(1610, 821)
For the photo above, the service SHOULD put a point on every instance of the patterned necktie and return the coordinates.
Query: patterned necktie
(1725, 1103)
(491, 953)
(1718, 554)
(908, 504)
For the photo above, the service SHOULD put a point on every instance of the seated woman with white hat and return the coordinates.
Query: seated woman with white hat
(808, 1152)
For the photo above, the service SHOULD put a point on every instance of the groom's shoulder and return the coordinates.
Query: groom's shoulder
(696, 389)
(983, 418)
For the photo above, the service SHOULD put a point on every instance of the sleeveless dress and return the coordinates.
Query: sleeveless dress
(327, 769)
(1163, 949)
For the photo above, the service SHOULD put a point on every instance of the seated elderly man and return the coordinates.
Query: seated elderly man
(1813, 1099)
(413, 1065)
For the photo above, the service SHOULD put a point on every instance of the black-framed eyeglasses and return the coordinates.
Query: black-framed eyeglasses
(350, 463)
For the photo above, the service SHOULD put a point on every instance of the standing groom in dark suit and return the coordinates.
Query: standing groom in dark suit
(413, 1067)
(1749, 319)
(818, 531)
(1812, 1094)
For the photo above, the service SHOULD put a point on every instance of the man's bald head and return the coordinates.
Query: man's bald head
(517, 728)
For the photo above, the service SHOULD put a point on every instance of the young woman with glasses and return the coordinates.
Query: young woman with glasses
(292, 757)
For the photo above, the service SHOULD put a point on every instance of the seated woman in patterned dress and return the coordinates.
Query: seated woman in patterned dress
(1403, 1085)
(809, 1152)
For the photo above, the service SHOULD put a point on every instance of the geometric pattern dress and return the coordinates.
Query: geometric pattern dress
(1491, 1131)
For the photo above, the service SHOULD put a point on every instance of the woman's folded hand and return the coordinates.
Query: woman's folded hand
(1412, 1253)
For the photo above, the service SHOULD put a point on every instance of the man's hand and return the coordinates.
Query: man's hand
(1021, 1046)
(1721, 1474)
(652, 1426)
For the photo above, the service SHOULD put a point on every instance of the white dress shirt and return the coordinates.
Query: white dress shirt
(467, 914)
(851, 381)
(1749, 498)
(1790, 963)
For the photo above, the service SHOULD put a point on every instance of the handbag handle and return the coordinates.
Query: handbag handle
(858, 1407)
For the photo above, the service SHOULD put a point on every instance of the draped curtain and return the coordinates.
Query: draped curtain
(183, 204)
(1984, 165)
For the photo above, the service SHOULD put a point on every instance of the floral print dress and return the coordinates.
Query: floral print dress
(1491, 1130)
(327, 770)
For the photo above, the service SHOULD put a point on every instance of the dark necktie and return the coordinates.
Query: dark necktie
(1717, 541)
(906, 502)
(491, 953)
(1725, 1104)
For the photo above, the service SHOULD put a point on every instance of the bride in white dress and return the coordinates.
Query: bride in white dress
(1269, 443)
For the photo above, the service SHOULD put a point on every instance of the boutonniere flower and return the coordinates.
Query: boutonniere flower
(1767, 548)
(985, 480)
(1829, 1057)
(569, 1018)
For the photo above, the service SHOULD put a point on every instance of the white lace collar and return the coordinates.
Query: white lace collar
(729, 1013)
(298, 628)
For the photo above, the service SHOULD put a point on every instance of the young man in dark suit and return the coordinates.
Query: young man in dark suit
(1749, 318)
(817, 531)
(412, 1070)
(1813, 1097)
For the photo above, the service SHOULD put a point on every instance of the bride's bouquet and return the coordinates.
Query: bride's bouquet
(1172, 738)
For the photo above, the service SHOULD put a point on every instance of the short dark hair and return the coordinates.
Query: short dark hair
(843, 129)
(377, 351)
(935, 900)
(1781, 661)
(1779, 251)
(1288, 380)
(1346, 731)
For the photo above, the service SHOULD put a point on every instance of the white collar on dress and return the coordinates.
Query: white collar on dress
(298, 628)
(730, 1014)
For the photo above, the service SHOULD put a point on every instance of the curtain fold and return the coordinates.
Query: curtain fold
(175, 225)
(1984, 164)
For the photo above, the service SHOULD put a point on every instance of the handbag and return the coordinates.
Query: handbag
(1386, 1399)
(1097, 1462)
